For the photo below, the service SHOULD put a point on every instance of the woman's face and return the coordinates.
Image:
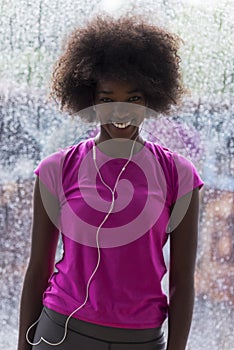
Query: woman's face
(120, 107)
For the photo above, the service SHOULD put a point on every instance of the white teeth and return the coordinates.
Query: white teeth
(121, 125)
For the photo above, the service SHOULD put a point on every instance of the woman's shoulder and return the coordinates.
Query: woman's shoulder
(62, 156)
(63, 152)
(162, 153)
(61, 162)
(171, 156)
(181, 171)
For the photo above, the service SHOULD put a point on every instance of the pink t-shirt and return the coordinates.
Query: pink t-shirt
(126, 289)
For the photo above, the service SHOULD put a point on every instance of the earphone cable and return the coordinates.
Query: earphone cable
(98, 247)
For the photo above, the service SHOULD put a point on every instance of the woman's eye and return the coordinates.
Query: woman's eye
(105, 99)
(134, 98)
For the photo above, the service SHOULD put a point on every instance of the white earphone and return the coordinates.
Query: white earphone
(97, 233)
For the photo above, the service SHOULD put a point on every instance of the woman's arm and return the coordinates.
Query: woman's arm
(183, 246)
(45, 236)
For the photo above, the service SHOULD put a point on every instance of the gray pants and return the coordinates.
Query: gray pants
(87, 336)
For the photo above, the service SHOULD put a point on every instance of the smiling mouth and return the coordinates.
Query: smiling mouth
(121, 125)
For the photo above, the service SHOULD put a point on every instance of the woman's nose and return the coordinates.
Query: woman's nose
(121, 111)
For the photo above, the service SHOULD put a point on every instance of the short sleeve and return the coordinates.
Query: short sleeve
(185, 176)
(49, 172)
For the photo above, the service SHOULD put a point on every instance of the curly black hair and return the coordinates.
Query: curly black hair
(128, 49)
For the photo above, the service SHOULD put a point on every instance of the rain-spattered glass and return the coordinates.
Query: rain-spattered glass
(32, 128)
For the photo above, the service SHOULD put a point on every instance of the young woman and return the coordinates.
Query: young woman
(115, 199)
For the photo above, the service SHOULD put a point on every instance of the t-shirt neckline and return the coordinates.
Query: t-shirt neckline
(140, 153)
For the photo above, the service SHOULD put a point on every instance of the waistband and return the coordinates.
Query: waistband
(105, 333)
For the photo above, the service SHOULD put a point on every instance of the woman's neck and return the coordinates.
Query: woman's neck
(119, 147)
